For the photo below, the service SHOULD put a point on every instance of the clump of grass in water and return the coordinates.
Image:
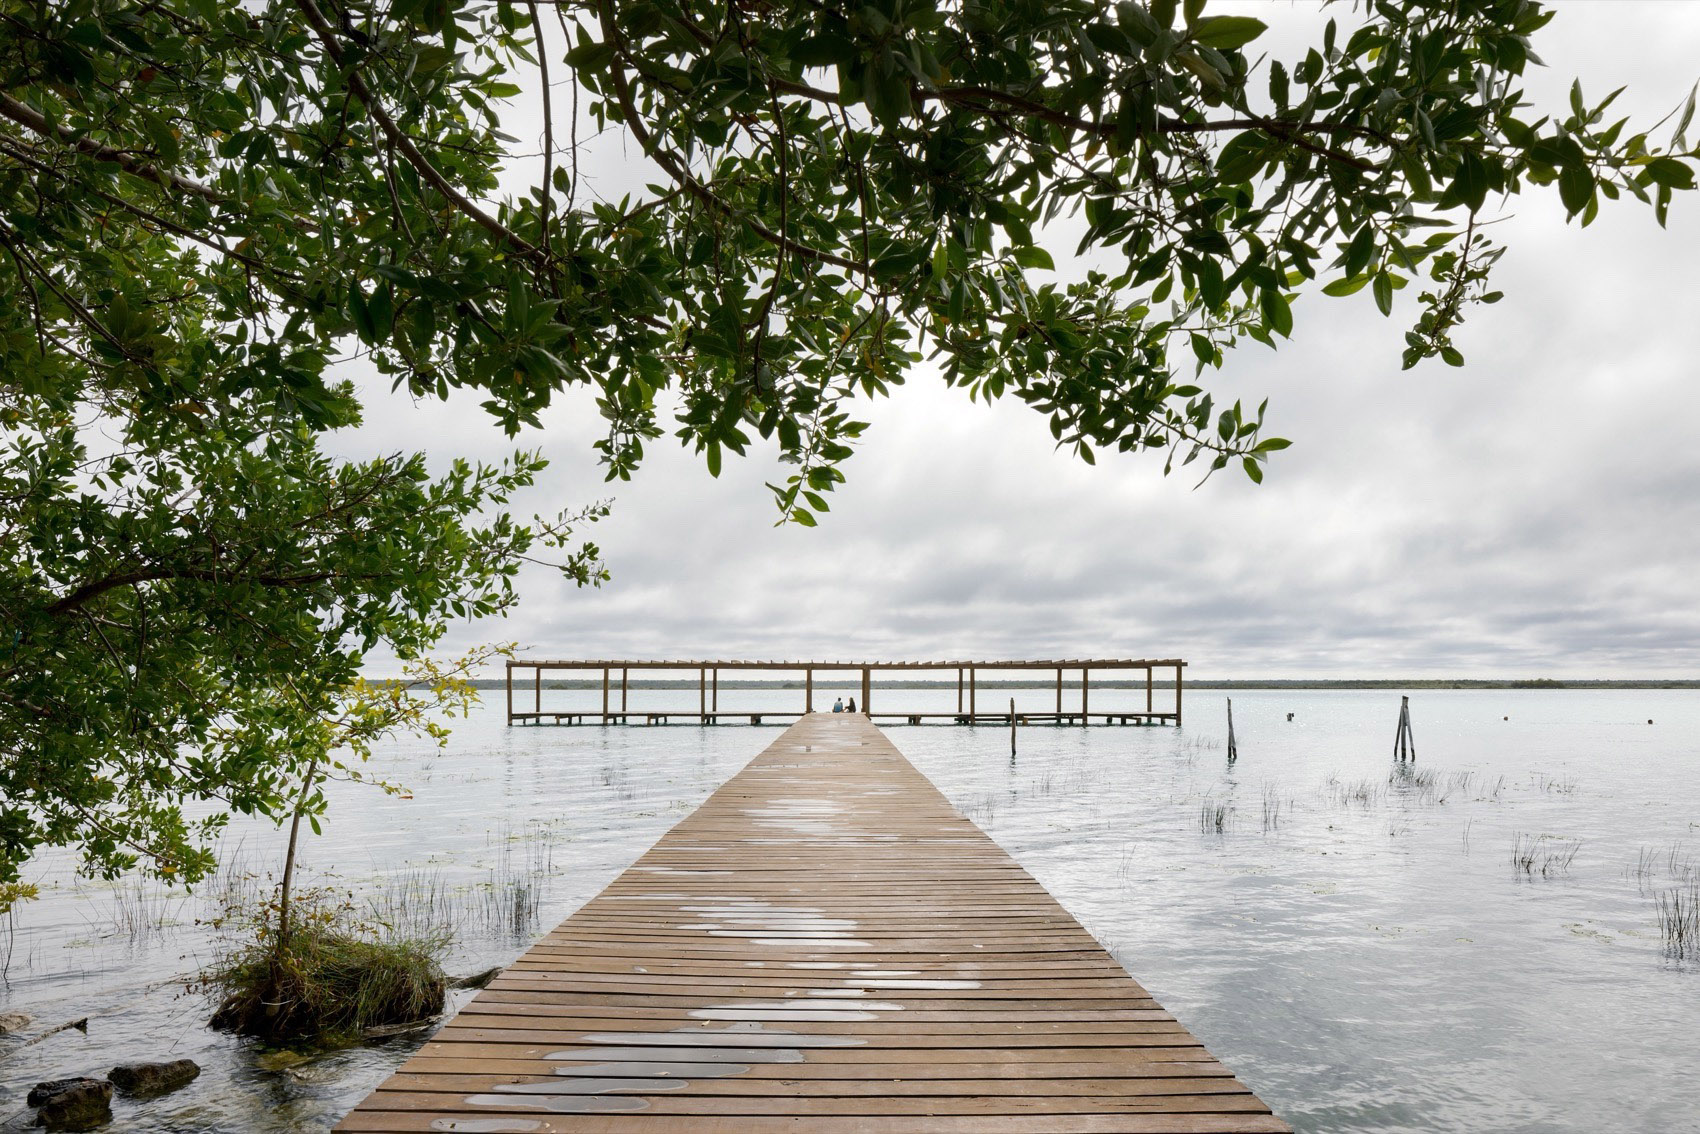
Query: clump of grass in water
(1359, 793)
(1679, 921)
(1561, 785)
(332, 980)
(1273, 806)
(1214, 816)
(1428, 785)
(1543, 855)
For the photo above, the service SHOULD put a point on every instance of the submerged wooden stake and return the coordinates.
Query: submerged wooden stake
(1233, 750)
(1404, 743)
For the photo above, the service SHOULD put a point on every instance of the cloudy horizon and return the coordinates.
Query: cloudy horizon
(1528, 515)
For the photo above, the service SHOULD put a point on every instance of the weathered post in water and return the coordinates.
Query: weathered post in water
(1233, 749)
(1404, 743)
(1012, 726)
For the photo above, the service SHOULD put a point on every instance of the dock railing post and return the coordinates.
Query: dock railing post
(510, 691)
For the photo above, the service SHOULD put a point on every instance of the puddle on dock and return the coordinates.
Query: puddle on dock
(564, 1104)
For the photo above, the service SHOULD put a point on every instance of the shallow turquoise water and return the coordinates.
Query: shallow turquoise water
(1366, 958)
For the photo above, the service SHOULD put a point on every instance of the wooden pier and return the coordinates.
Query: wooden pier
(824, 945)
(1073, 708)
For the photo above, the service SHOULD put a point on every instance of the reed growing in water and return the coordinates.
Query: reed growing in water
(332, 980)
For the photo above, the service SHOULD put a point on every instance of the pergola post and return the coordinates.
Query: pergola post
(971, 683)
(809, 690)
(624, 673)
(1148, 670)
(510, 691)
(537, 690)
(959, 689)
(1059, 692)
(604, 694)
(1085, 684)
(1178, 666)
(716, 694)
(867, 689)
(702, 694)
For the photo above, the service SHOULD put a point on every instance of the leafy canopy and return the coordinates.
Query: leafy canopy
(211, 213)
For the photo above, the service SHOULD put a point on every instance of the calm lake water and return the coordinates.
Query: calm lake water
(1360, 948)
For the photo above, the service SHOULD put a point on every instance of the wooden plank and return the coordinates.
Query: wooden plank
(824, 945)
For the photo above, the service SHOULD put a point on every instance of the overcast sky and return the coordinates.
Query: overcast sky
(1535, 513)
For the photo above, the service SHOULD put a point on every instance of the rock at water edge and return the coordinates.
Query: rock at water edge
(149, 1079)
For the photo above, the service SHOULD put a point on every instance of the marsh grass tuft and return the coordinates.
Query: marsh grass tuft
(1545, 856)
(337, 975)
(1679, 920)
(1214, 816)
(1358, 793)
(1274, 806)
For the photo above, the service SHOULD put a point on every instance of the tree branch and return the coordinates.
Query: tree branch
(398, 138)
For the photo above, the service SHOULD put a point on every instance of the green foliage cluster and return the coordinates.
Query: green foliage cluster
(212, 214)
(329, 982)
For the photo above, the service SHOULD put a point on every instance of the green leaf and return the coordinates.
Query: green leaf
(1383, 290)
(1575, 188)
(1471, 182)
(1225, 33)
(1277, 313)
(1252, 469)
(1346, 286)
(1032, 256)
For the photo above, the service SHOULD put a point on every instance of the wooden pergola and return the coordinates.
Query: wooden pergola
(617, 676)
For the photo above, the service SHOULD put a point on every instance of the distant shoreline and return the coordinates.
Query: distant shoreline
(1073, 681)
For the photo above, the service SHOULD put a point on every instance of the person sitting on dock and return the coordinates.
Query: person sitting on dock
(852, 707)
(838, 705)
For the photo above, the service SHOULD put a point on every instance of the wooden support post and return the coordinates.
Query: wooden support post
(1012, 727)
(1233, 749)
(510, 691)
(716, 704)
(1404, 743)
(538, 690)
(970, 694)
(867, 689)
(1148, 684)
(702, 694)
(1085, 682)
(1059, 692)
(604, 694)
(959, 689)
(1178, 667)
(808, 690)
(624, 673)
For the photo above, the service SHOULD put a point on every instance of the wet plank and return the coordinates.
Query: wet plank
(824, 945)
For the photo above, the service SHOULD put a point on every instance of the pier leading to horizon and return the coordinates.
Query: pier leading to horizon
(825, 945)
(1073, 680)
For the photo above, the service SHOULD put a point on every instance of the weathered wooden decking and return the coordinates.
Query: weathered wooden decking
(823, 945)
